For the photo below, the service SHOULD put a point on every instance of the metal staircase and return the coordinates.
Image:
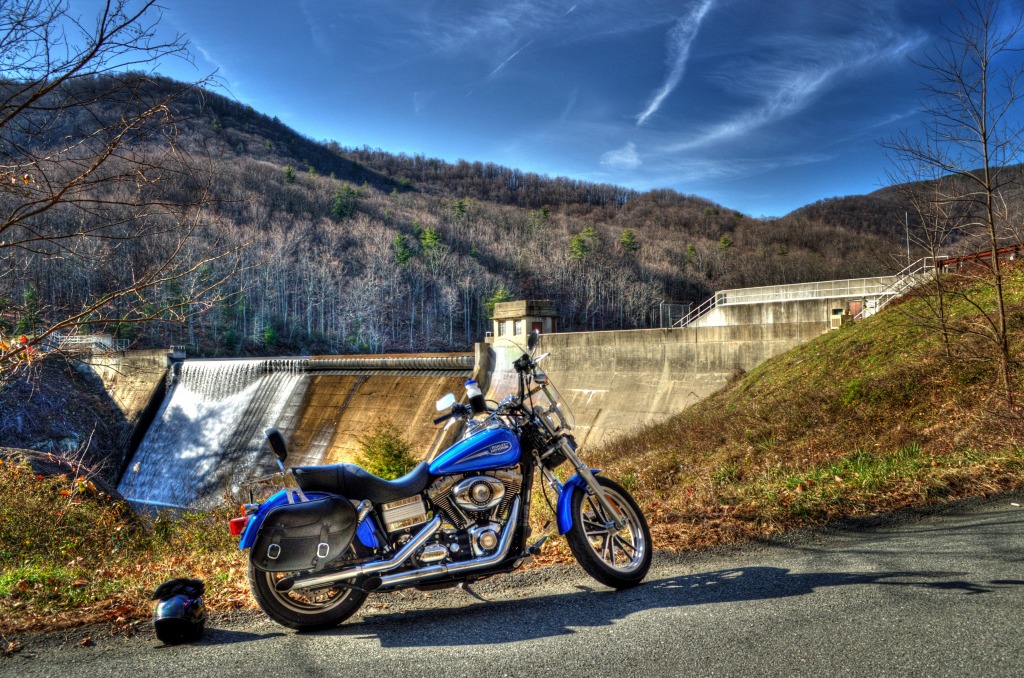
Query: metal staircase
(910, 277)
(697, 312)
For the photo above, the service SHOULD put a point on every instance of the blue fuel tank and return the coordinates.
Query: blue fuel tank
(489, 449)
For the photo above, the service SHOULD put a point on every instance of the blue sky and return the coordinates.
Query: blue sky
(760, 106)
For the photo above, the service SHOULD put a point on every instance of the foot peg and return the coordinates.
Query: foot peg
(536, 547)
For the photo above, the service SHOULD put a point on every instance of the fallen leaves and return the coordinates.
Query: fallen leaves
(118, 612)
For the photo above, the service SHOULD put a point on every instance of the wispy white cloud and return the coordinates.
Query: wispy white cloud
(625, 158)
(210, 58)
(895, 117)
(787, 98)
(703, 174)
(514, 55)
(317, 26)
(420, 99)
(783, 89)
(679, 42)
(480, 27)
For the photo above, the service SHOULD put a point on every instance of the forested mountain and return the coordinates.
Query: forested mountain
(888, 211)
(359, 250)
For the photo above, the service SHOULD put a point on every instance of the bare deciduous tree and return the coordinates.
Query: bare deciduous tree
(98, 202)
(970, 139)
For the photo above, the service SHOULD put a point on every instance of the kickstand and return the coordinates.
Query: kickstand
(464, 587)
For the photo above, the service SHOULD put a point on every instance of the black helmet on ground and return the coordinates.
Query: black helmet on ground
(179, 615)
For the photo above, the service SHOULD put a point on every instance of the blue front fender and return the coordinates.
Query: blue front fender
(564, 511)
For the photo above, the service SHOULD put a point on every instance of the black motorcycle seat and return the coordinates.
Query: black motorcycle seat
(357, 483)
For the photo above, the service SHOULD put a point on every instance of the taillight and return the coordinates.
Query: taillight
(238, 525)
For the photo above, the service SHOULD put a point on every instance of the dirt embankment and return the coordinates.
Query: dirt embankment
(53, 409)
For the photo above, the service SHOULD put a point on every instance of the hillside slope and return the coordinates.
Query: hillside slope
(358, 250)
(868, 418)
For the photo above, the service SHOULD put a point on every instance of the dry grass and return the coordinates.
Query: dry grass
(69, 555)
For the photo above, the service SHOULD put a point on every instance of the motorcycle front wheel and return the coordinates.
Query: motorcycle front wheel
(305, 609)
(614, 557)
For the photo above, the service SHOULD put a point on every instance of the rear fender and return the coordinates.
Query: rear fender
(564, 509)
(252, 528)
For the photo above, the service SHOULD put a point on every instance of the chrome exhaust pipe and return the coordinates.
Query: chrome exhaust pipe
(442, 569)
(312, 581)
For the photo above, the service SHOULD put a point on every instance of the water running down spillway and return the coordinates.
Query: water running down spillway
(207, 439)
(208, 435)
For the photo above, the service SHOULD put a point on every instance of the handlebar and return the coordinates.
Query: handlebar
(458, 410)
(523, 364)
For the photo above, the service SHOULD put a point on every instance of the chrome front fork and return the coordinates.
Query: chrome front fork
(594, 488)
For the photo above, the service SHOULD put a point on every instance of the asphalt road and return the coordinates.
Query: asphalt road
(939, 595)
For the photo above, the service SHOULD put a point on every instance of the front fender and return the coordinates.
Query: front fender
(564, 508)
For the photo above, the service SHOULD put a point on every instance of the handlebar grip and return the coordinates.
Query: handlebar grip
(438, 420)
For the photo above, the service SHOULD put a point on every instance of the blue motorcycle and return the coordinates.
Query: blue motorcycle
(337, 533)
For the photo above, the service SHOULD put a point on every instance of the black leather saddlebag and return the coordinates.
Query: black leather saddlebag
(304, 536)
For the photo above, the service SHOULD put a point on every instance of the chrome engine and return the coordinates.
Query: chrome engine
(474, 509)
(469, 499)
(478, 493)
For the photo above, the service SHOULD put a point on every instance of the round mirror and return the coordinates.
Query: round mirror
(531, 343)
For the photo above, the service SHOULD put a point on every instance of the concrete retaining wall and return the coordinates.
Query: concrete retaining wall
(332, 411)
(616, 381)
(133, 379)
(130, 377)
(814, 312)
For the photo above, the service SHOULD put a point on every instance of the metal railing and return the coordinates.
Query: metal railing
(77, 342)
(829, 289)
(697, 312)
(881, 290)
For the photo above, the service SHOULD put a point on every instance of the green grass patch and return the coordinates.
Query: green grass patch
(54, 587)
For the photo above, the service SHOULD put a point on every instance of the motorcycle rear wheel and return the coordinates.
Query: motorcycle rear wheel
(616, 558)
(303, 610)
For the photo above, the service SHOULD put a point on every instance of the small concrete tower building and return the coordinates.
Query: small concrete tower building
(516, 319)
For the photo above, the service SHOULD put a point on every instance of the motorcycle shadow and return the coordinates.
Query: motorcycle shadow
(507, 621)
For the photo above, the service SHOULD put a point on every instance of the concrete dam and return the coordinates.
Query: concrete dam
(615, 382)
(207, 436)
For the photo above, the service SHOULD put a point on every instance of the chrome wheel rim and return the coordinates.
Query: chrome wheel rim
(305, 601)
(622, 550)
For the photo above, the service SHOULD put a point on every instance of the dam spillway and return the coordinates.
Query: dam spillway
(207, 437)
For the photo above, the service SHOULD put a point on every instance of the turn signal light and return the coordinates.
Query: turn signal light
(238, 525)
